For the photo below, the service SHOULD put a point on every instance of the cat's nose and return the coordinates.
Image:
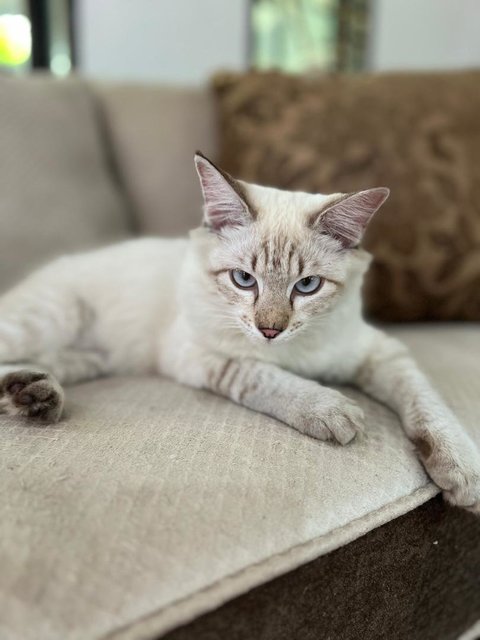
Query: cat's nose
(269, 333)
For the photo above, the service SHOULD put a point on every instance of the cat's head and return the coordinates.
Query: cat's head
(277, 261)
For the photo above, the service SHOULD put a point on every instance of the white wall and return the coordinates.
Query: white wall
(173, 41)
(425, 34)
(185, 41)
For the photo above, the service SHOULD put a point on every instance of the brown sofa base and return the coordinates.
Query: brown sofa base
(417, 577)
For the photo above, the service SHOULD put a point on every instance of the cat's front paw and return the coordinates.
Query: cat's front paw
(465, 491)
(455, 468)
(329, 415)
(31, 394)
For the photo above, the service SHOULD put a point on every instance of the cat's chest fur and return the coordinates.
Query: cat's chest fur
(329, 351)
(329, 354)
(328, 348)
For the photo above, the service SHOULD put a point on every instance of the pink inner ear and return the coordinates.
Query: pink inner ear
(223, 206)
(346, 221)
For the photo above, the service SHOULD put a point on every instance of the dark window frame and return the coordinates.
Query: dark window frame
(41, 36)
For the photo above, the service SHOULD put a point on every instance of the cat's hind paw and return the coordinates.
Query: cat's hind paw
(31, 394)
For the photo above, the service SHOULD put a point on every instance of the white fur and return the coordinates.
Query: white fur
(169, 306)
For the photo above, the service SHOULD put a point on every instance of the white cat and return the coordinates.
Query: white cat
(259, 305)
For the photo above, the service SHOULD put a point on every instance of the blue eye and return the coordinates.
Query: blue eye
(242, 279)
(307, 286)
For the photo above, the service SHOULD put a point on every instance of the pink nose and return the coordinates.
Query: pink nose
(269, 333)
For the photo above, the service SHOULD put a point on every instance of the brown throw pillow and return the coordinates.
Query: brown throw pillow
(418, 134)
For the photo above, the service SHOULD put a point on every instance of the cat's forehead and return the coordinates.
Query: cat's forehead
(275, 208)
(280, 241)
(278, 253)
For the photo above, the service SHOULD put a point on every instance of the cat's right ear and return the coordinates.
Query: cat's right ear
(224, 203)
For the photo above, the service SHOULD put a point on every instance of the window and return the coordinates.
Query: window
(309, 35)
(36, 34)
(15, 36)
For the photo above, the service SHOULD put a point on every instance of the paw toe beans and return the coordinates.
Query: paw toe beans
(23, 398)
(33, 395)
(14, 388)
(17, 380)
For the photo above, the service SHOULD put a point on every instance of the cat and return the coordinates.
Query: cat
(261, 305)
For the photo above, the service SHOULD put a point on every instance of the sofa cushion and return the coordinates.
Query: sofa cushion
(154, 132)
(57, 191)
(152, 503)
(413, 578)
(418, 134)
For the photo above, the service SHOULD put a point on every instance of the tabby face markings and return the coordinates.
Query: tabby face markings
(279, 259)
(274, 286)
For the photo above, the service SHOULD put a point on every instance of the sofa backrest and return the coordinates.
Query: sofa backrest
(153, 132)
(58, 193)
(86, 164)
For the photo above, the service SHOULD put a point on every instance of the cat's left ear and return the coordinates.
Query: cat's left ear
(225, 203)
(347, 219)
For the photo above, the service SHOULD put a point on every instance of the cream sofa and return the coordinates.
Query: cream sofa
(155, 511)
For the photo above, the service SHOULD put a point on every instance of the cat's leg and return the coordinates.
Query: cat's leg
(452, 460)
(305, 405)
(41, 315)
(39, 321)
(70, 366)
(34, 390)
